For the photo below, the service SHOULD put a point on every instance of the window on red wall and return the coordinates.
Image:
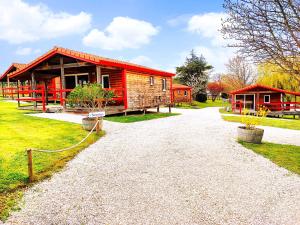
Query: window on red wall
(105, 81)
(164, 84)
(185, 93)
(151, 80)
(267, 98)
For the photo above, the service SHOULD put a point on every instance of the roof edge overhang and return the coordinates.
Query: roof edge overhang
(6, 72)
(101, 62)
(181, 88)
(240, 91)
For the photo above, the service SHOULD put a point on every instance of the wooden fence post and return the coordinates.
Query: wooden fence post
(98, 125)
(18, 93)
(30, 166)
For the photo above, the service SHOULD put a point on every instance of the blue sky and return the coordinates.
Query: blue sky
(154, 33)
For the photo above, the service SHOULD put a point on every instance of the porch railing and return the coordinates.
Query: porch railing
(118, 93)
(274, 106)
(281, 106)
(237, 106)
(40, 94)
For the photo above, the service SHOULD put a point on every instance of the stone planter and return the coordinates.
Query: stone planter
(252, 136)
(89, 123)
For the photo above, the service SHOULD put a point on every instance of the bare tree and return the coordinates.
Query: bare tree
(240, 71)
(266, 31)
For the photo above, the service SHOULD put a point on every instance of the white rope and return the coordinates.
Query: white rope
(69, 148)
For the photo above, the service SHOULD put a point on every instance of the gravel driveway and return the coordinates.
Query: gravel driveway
(185, 169)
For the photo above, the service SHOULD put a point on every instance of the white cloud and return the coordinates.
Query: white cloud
(23, 51)
(27, 51)
(121, 33)
(21, 22)
(179, 20)
(213, 47)
(216, 56)
(208, 25)
(142, 60)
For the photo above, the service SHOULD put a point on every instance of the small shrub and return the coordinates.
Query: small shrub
(251, 121)
(91, 97)
(201, 97)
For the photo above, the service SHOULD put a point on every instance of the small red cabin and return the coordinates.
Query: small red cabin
(181, 93)
(274, 99)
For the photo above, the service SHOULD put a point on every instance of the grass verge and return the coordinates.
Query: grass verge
(137, 117)
(271, 122)
(286, 156)
(223, 111)
(18, 132)
(201, 105)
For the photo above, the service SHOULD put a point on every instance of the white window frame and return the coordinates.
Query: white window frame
(269, 99)
(164, 84)
(178, 92)
(102, 80)
(185, 93)
(151, 80)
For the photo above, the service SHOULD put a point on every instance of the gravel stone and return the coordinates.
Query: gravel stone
(185, 169)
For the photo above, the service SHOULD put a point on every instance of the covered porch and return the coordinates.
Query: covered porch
(277, 101)
(48, 82)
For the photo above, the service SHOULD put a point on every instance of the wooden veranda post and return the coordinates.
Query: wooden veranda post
(46, 92)
(63, 82)
(18, 92)
(98, 74)
(30, 165)
(257, 102)
(2, 85)
(33, 87)
(124, 83)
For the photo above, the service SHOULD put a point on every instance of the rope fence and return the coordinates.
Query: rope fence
(29, 151)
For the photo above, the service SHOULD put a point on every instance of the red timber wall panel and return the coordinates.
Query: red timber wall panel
(178, 95)
(275, 97)
(141, 94)
(115, 77)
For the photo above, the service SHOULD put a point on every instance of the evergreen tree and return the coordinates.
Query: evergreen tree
(194, 73)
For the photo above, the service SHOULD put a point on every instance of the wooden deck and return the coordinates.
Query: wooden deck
(110, 110)
(284, 113)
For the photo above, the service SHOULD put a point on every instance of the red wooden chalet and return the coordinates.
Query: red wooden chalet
(275, 99)
(53, 75)
(181, 93)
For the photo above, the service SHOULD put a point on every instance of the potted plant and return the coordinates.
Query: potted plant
(249, 132)
(90, 98)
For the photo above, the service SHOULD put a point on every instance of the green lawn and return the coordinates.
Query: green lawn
(223, 111)
(286, 156)
(138, 117)
(18, 132)
(271, 122)
(200, 105)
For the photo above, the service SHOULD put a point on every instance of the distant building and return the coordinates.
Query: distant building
(181, 93)
(255, 96)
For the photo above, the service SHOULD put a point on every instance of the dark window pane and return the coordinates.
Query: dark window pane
(105, 82)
